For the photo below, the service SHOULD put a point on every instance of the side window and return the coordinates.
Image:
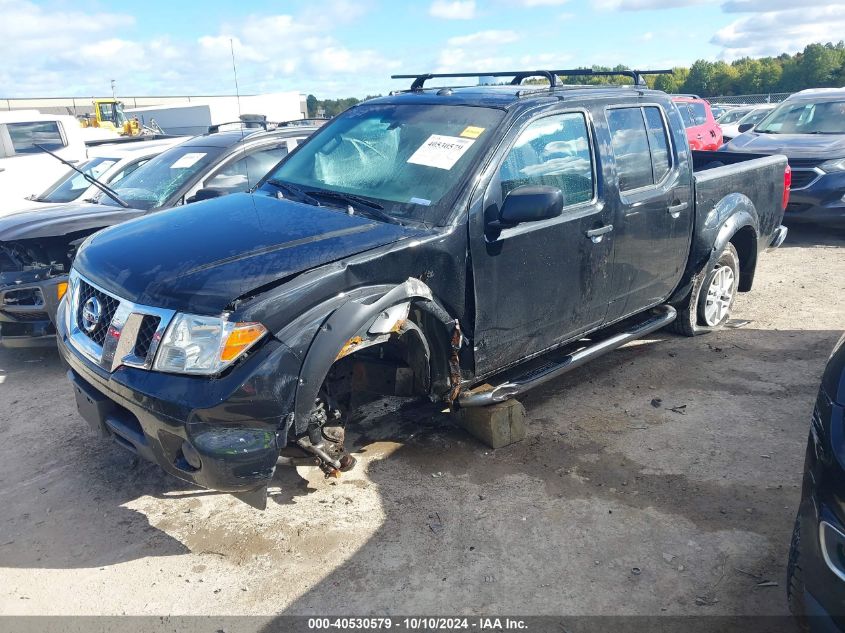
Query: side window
(553, 151)
(127, 170)
(658, 141)
(686, 114)
(26, 135)
(699, 112)
(630, 148)
(243, 173)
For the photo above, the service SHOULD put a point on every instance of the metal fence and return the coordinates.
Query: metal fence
(771, 97)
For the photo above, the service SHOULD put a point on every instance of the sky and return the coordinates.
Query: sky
(340, 48)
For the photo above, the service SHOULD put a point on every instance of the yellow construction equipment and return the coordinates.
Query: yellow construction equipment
(109, 115)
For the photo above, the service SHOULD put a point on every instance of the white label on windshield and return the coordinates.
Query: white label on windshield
(187, 160)
(441, 151)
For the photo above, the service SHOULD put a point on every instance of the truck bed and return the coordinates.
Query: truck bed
(720, 177)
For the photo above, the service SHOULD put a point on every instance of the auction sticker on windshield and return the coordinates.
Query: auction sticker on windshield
(188, 160)
(441, 151)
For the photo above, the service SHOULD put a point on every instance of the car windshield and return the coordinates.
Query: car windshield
(408, 159)
(154, 184)
(755, 116)
(805, 117)
(732, 116)
(73, 184)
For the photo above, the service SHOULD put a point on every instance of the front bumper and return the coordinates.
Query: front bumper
(822, 202)
(221, 433)
(28, 308)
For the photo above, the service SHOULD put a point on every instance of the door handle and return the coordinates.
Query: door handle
(596, 235)
(698, 136)
(675, 209)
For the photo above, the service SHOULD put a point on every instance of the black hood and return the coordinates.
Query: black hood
(820, 146)
(201, 257)
(61, 220)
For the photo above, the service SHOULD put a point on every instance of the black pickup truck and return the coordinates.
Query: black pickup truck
(420, 244)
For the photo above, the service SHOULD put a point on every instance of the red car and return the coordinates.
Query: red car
(702, 130)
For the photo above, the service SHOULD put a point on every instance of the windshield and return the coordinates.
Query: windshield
(154, 184)
(755, 116)
(732, 116)
(411, 159)
(72, 185)
(802, 117)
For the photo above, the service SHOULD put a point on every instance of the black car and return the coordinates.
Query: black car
(809, 129)
(38, 246)
(816, 568)
(417, 245)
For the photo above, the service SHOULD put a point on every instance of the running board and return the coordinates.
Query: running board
(661, 316)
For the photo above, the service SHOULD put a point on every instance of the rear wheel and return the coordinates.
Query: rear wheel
(708, 305)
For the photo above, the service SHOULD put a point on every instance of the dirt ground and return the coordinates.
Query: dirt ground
(661, 479)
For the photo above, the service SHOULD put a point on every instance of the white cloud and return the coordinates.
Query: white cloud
(645, 5)
(484, 38)
(767, 6)
(775, 32)
(543, 3)
(74, 52)
(453, 10)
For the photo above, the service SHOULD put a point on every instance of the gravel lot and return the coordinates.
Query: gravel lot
(678, 457)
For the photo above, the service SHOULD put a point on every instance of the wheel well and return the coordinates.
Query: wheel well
(745, 243)
(411, 361)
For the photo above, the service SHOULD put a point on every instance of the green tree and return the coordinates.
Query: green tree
(311, 105)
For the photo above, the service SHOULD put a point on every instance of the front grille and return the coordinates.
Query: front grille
(26, 317)
(126, 334)
(804, 163)
(108, 305)
(803, 177)
(146, 332)
(23, 297)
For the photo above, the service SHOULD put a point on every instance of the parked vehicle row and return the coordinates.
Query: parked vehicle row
(809, 129)
(106, 164)
(751, 116)
(38, 246)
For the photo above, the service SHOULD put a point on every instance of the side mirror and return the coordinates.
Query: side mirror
(206, 193)
(529, 204)
(745, 127)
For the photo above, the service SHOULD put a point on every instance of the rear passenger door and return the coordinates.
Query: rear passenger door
(541, 283)
(654, 213)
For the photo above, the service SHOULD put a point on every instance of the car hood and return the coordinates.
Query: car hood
(201, 257)
(821, 146)
(61, 219)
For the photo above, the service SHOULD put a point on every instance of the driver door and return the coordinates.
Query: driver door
(541, 283)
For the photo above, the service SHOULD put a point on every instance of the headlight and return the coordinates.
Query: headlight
(204, 345)
(837, 164)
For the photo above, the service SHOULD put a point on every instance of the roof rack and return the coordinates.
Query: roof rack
(637, 76)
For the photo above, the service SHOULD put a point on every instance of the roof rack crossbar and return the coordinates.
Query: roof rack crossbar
(518, 76)
(637, 76)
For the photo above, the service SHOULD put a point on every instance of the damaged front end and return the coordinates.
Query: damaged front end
(33, 279)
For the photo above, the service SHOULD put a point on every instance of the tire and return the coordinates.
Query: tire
(795, 580)
(708, 305)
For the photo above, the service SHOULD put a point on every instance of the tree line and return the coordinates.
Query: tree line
(817, 66)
